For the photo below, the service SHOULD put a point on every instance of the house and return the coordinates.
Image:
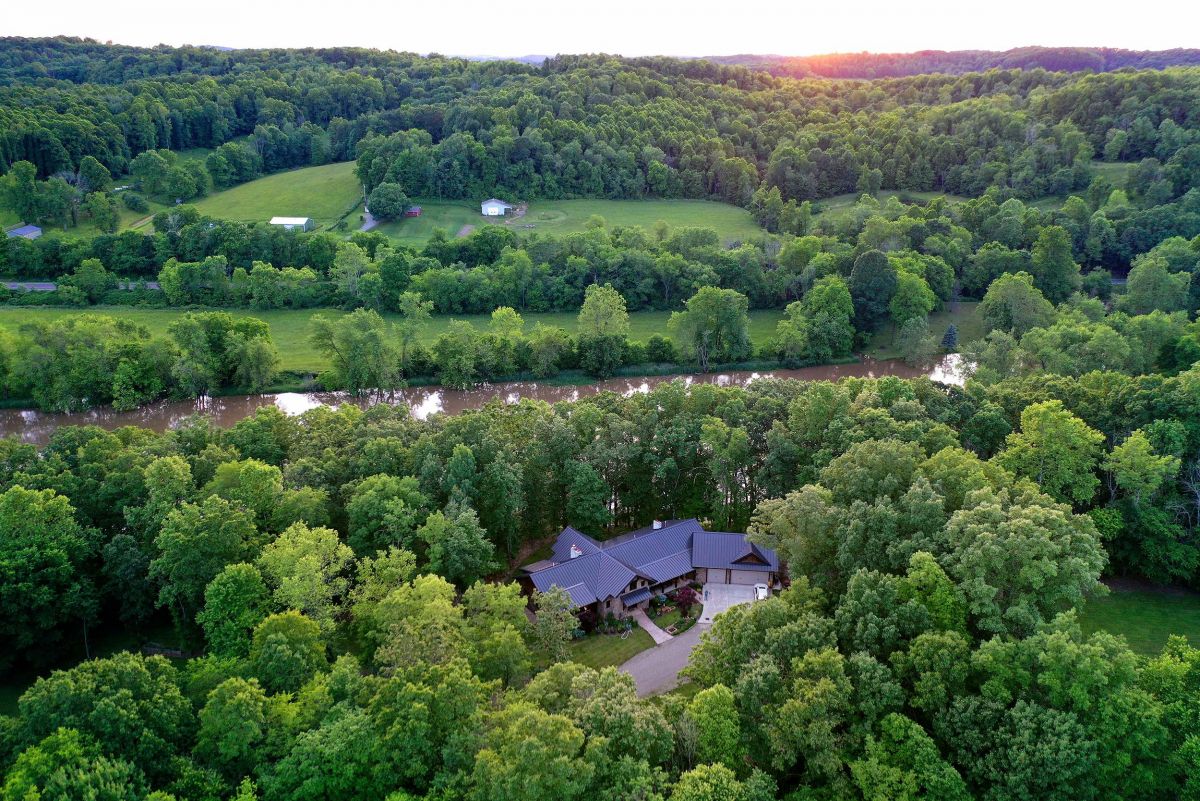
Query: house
(294, 223)
(413, 211)
(624, 573)
(495, 208)
(25, 232)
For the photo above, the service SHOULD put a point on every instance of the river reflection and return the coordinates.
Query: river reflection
(36, 427)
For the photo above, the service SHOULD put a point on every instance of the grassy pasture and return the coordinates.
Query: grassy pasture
(289, 328)
(1145, 617)
(964, 315)
(323, 193)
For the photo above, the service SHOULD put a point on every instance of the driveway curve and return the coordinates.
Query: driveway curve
(656, 669)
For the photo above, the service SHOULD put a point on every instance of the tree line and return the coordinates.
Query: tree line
(326, 571)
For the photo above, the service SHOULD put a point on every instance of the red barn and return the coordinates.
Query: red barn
(413, 211)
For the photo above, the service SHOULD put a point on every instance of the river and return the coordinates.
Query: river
(31, 425)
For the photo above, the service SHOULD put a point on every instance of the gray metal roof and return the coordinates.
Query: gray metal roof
(603, 575)
(669, 567)
(26, 232)
(569, 537)
(721, 550)
(605, 569)
(635, 597)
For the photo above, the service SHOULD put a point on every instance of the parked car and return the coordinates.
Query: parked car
(761, 592)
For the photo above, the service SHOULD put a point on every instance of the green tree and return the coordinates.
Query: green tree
(286, 650)
(44, 579)
(873, 282)
(235, 602)
(1152, 286)
(903, 764)
(128, 704)
(602, 330)
(1053, 266)
(714, 327)
(362, 351)
(1137, 470)
(1057, 450)
(66, 766)
(529, 755)
(554, 623)
(104, 212)
(913, 299)
(308, 571)
(388, 201)
(1013, 304)
(196, 542)
(718, 733)
(384, 511)
(456, 353)
(457, 545)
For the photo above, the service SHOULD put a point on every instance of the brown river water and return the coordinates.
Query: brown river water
(31, 425)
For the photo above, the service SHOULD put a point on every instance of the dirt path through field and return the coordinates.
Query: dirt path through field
(466, 229)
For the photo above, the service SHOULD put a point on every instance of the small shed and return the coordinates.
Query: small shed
(25, 232)
(294, 223)
(495, 208)
(413, 211)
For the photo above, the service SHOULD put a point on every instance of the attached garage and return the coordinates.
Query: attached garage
(748, 576)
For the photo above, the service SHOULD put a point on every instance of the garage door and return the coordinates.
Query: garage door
(747, 577)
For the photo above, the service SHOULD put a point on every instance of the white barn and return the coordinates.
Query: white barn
(495, 208)
(293, 223)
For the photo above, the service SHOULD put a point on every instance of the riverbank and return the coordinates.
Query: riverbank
(36, 427)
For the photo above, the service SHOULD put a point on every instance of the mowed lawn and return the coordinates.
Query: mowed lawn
(449, 215)
(1145, 617)
(567, 216)
(964, 315)
(323, 193)
(602, 650)
(559, 217)
(290, 328)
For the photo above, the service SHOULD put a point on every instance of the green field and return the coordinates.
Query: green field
(449, 215)
(601, 650)
(965, 316)
(569, 216)
(1145, 617)
(323, 193)
(289, 328)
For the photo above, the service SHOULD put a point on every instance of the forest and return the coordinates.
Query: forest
(325, 606)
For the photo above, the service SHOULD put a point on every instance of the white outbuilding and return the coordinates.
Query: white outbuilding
(495, 208)
(294, 223)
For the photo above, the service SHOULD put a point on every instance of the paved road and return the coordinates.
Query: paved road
(369, 221)
(50, 286)
(656, 669)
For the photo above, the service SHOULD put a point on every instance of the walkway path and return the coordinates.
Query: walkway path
(657, 634)
(369, 221)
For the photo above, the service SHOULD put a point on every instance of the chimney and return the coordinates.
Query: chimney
(656, 525)
(575, 552)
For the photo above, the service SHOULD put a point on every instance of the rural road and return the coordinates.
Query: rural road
(50, 286)
(656, 669)
(369, 221)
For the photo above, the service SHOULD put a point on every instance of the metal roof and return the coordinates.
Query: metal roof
(26, 232)
(568, 537)
(603, 575)
(604, 569)
(289, 220)
(635, 597)
(722, 550)
(492, 201)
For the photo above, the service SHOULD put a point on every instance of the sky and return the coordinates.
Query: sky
(625, 27)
